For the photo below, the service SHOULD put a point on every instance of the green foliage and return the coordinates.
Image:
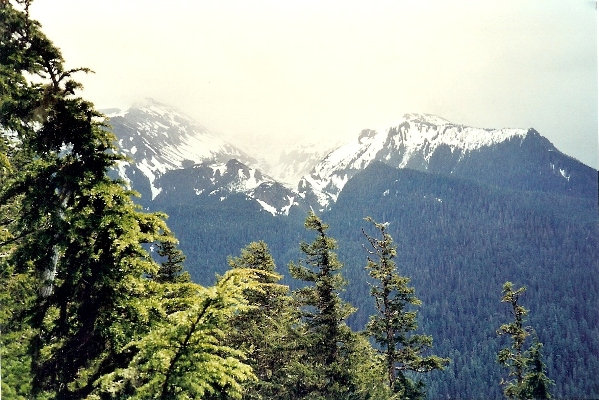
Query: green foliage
(16, 334)
(184, 356)
(393, 325)
(266, 331)
(513, 357)
(324, 310)
(171, 267)
(87, 312)
(461, 240)
(73, 241)
(536, 380)
(329, 342)
(256, 256)
(526, 370)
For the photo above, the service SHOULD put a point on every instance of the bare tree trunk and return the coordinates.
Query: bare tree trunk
(49, 274)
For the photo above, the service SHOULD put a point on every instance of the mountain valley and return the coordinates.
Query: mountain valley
(469, 209)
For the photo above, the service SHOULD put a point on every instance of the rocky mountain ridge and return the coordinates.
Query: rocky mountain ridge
(173, 156)
(432, 144)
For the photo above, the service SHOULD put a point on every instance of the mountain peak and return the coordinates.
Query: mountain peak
(160, 138)
(422, 142)
(174, 156)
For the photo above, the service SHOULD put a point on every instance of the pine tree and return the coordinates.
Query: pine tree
(330, 345)
(536, 381)
(76, 238)
(171, 266)
(513, 358)
(393, 326)
(266, 330)
(186, 354)
(526, 370)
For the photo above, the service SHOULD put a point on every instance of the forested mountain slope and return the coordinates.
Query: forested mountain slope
(512, 158)
(459, 241)
(486, 206)
(95, 301)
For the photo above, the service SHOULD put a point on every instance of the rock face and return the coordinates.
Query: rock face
(220, 180)
(517, 158)
(175, 160)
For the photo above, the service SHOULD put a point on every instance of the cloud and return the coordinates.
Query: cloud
(267, 71)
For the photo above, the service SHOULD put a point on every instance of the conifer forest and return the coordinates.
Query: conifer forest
(106, 295)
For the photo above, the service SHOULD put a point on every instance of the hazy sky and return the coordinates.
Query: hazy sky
(270, 73)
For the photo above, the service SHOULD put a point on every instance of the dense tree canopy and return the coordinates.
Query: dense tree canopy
(76, 270)
(268, 330)
(331, 344)
(96, 303)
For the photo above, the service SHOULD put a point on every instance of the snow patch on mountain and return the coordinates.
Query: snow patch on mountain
(411, 143)
(223, 179)
(161, 140)
(150, 168)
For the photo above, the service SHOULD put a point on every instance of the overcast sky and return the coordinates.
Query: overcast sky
(271, 73)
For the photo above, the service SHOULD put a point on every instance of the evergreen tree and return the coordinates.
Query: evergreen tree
(330, 345)
(185, 355)
(16, 288)
(15, 333)
(74, 244)
(324, 311)
(536, 381)
(393, 326)
(171, 266)
(266, 330)
(513, 358)
(526, 370)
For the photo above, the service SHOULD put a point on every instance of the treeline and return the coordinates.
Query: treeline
(459, 241)
(95, 303)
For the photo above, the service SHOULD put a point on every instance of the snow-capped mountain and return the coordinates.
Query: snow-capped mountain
(164, 145)
(218, 180)
(159, 139)
(465, 204)
(518, 158)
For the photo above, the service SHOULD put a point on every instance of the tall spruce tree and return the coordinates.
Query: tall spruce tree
(536, 381)
(335, 358)
(393, 326)
(171, 265)
(80, 307)
(77, 235)
(526, 370)
(266, 331)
